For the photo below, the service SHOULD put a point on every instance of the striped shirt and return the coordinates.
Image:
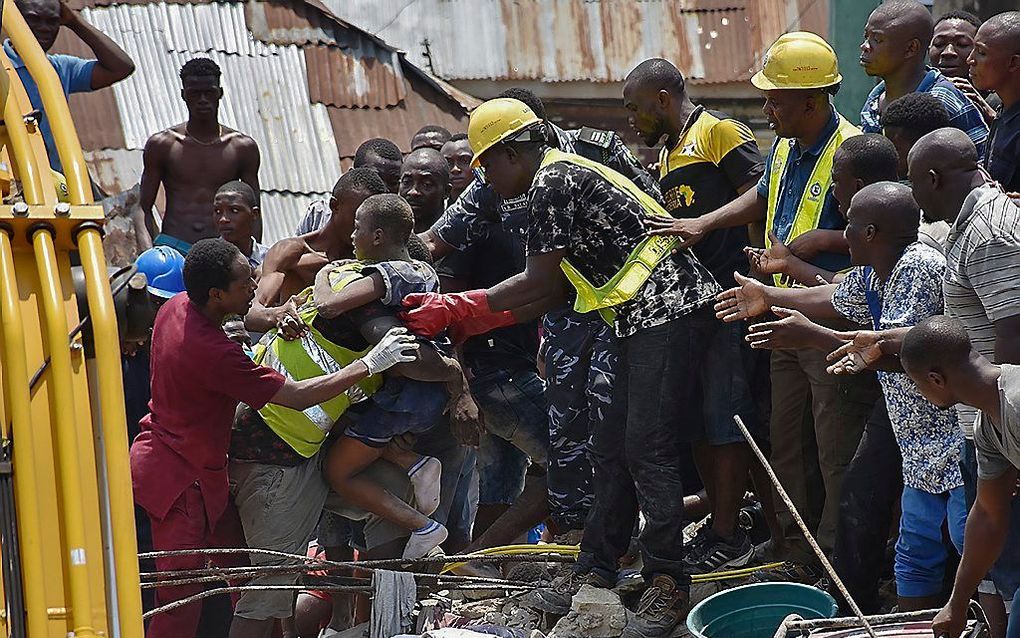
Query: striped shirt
(982, 282)
(316, 217)
(961, 111)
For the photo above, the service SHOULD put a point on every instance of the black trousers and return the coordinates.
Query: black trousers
(637, 449)
(871, 489)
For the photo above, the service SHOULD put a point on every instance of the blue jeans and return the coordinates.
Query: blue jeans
(517, 431)
(1013, 628)
(920, 553)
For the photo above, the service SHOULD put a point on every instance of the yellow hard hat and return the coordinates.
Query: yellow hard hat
(60, 185)
(495, 121)
(798, 60)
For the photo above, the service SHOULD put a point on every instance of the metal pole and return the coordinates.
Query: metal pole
(804, 528)
(113, 426)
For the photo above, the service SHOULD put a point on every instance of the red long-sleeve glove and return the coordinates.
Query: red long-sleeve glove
(430, 313)
(464, 329)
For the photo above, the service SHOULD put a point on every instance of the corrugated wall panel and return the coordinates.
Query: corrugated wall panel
(582, 40)
(298, 150)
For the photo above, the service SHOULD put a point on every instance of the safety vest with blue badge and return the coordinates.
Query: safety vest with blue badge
(812, 200)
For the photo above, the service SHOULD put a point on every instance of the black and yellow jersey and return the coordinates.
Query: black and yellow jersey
(715, 156)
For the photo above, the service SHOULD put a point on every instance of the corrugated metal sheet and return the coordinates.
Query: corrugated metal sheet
(266, 95)
(370, 83)
(90, 4)
(117, 170)
(261, 97)
(713, 41)
(423, 105)
(372, 73)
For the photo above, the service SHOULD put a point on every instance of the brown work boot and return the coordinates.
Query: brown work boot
(556, 598)
(661, 609)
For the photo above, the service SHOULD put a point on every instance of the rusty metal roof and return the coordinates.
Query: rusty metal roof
(307, 87)
(351, 127)
(712, 41)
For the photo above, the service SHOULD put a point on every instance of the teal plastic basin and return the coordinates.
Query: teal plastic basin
(755, 611)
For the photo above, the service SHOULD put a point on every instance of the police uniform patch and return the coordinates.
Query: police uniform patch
(596, 137)
(816, 189)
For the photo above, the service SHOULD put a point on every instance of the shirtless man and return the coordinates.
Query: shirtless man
(193, 159)
(290, 265)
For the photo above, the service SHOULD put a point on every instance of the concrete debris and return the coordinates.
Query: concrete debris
(594, 613)
(120, 241)
(537, 573)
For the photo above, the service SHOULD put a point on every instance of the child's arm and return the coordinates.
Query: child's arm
(433, 366)
(332, 304)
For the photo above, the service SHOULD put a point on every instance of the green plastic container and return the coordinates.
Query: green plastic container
(755, 611)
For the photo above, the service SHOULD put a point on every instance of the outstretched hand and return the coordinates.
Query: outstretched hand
(747, 300)
(466, 423)
(772, 260)
(792, 330)
(689, 230)
(863, 348)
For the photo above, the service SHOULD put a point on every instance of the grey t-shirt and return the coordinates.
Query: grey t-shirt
(998, 446)
(982, 282)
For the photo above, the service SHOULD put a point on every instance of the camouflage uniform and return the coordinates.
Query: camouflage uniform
(580, 350)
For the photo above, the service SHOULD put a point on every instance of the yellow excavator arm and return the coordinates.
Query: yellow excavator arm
(69, 555)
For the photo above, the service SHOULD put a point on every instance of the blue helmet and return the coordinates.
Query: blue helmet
(163, 268)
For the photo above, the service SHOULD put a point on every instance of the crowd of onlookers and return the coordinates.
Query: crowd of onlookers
(863, 272)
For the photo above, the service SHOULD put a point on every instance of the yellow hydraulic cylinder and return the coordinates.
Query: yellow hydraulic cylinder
(18, 406)
(62, 408)
(25, 156)
(113, 423)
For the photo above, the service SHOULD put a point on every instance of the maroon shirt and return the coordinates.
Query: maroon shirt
(198, 377)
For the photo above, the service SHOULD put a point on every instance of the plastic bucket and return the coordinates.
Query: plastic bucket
(755, 611)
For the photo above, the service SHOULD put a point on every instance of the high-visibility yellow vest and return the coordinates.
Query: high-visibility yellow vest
(640, 263)
(311, 356)
(812, 200)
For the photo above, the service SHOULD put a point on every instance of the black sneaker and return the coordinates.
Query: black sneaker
(788, 573)
(661, 609)
(713, 553)
(556, 598)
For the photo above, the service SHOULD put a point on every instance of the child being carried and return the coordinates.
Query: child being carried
(414, 395)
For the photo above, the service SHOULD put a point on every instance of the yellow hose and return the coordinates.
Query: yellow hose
(573, 550)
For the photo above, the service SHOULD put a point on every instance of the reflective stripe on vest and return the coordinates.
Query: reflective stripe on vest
(640, 263)
(812, 200)
(308, 357)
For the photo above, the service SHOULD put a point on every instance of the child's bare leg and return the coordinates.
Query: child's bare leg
(423, 471)
(347, 459)
(400, 455)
